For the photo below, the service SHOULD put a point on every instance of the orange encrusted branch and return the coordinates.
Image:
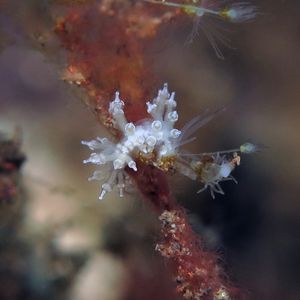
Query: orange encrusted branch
(196, 271)
(105, 45)
(106, 49)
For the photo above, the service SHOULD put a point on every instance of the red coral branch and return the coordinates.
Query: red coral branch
(106, 52)
(196, 271)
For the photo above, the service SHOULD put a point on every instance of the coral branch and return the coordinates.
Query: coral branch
(106, 45)
(153, 185)
(196, 271)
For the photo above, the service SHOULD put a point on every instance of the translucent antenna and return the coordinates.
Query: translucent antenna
(246, 148)
(191, 127)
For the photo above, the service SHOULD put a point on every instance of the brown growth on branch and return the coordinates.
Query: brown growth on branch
(106, 44)
(196, 271)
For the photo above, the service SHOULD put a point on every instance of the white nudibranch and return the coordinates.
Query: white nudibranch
(156, 142)
(155, 136)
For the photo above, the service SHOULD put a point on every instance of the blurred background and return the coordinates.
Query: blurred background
(58, 242)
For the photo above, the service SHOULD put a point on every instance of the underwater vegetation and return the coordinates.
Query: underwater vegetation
(106, 45)
(104, 52)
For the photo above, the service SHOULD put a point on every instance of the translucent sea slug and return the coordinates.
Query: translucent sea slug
(155, 141)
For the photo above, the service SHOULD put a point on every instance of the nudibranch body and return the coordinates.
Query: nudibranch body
(155, 141)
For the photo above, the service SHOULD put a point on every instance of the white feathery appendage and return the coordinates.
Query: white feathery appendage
(116, 110)
(118, 178)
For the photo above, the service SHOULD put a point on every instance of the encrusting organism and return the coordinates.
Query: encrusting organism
(195, 271)
(156, 142)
